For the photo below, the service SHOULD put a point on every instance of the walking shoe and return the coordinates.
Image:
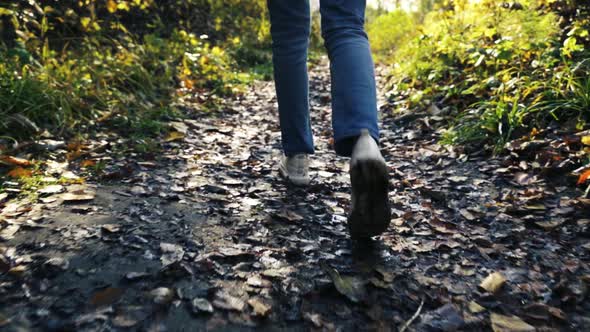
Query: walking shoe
(370, 212)
(295, 169)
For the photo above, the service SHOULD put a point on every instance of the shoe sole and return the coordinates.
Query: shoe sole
(370, 214)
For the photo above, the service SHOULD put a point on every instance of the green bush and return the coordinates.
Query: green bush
(389, 31)
(502, 69)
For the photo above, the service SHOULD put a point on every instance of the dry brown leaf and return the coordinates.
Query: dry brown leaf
(493, 282)
(51, 189)
(106, 296)
(110, 228)
(501, 323)
(8, 232)
(88, 163)
(19, 172)
(15, 161)
(224, 300)
(260, 307)
(549, 225)
(78, 196)
(467, 215)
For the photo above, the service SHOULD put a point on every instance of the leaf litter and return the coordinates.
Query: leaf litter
(207, 228)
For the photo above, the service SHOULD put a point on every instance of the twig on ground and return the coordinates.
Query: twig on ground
(587, 192)
(411, 320)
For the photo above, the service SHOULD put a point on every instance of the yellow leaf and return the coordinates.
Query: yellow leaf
(475, 308)
(111, 6)
(586, 140)
(85, 21)
(20, 172)
(501, 323)
(493, 282)
(123, 6)
(174, 136)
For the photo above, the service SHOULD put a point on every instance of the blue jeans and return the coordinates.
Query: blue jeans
(354, 101)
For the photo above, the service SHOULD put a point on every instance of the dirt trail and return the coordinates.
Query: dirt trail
(208, 238)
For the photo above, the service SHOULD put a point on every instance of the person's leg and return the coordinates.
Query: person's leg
(354, 115)
(354, 98)
(290, 28)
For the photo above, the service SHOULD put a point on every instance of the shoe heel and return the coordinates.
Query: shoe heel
(370, 214)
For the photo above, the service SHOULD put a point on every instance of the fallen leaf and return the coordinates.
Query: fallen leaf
(543, 311)
(132, 276)
(162, 295)
(501, 323)
(314, 318)
(124, 321)
(583, 177)
(8, 232)
(351, 287)
(19, 172)
(289, 216)
(106, 297)
(138, 190)
(467, 215)
(549, 225)
(475, 308)
(525, 179)
(445, 319)
(17, 271)
(586, 140)
(462, 271)
(174, 136)
(493, 282)
(51, 189)
(78, 196)
(88, 163)
(536, 207)
(15, 161)
(110, 228)
(458, 178)
(278, 273)
(224, 300)
(200, 305)
(171, 253)
(261, 308)
(180, 127)
(56, 264)
(256, 281)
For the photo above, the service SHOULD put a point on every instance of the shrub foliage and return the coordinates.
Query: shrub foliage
(501, 68)
(70, 63)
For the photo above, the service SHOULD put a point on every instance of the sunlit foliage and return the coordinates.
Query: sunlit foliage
(501, 68)
(71, 63)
